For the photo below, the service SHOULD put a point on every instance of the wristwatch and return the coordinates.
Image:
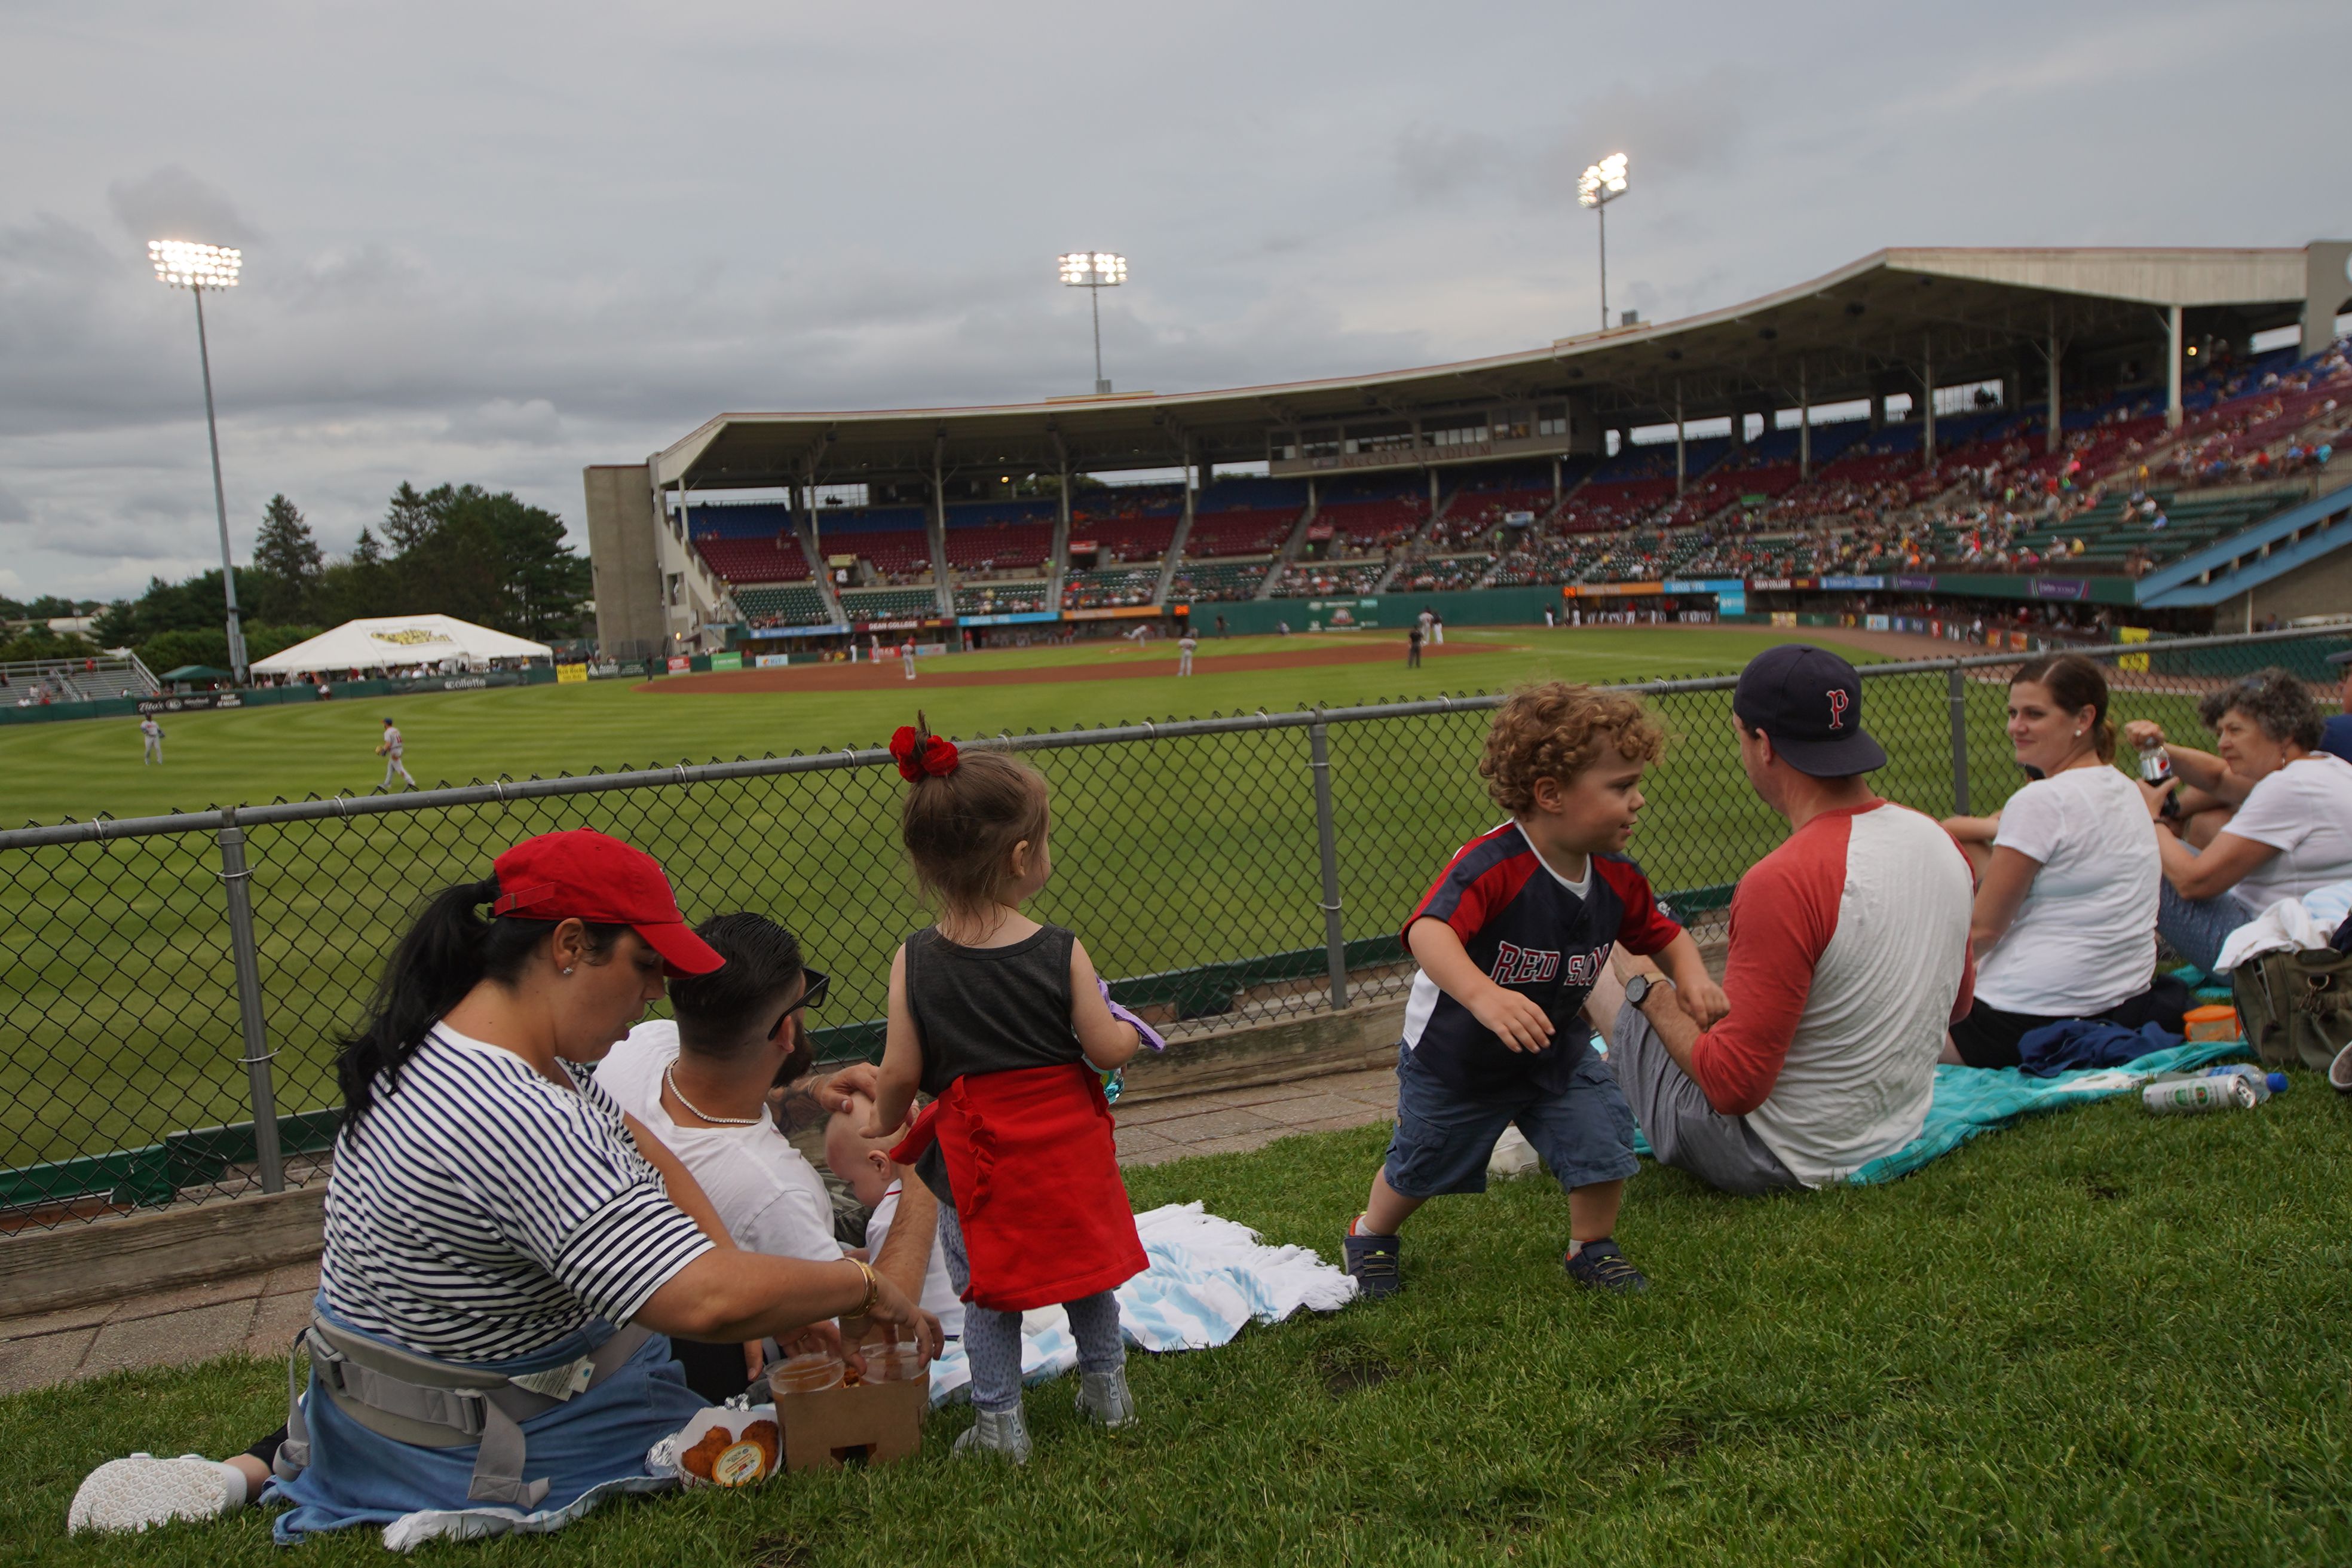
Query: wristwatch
(1638, 989)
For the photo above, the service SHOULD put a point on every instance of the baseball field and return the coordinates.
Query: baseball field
(1193, 860)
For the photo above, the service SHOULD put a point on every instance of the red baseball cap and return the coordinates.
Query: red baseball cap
(586, 875)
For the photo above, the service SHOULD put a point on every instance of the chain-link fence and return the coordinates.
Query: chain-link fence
(177, 985)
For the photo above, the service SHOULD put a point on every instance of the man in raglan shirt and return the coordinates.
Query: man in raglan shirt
(1849, 959)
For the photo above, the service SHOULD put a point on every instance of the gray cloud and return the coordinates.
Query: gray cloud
(170, 203)
(578, 244)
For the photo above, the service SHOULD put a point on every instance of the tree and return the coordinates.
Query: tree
(410, 518)
(288, 556)
(367, 552)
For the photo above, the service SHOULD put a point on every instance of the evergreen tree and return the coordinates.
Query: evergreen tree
(289, 560)
(410, 518)
(367, 552)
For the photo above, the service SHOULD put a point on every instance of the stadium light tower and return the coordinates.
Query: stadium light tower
(1598, 186)
(183, 264)
(1094, 271)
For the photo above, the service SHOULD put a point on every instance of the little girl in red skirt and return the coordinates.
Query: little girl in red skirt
(1002, 1022)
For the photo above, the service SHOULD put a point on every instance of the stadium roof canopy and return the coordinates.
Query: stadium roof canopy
(1879, 326)
(385, 642)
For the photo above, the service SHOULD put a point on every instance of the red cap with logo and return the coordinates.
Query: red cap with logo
(585, 874)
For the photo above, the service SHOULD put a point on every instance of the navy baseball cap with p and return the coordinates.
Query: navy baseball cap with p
(1808, 701)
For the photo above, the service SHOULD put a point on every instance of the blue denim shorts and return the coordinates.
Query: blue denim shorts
(1444, 1134)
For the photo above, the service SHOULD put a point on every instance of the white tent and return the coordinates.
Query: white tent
(397, 642)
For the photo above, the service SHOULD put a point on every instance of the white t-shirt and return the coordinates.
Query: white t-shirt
(2305, 812)
(939, 1297)
(2084, 939)
(768, 1196)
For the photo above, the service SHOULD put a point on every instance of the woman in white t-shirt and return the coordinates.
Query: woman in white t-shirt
(2291, 834)
(2065, 922)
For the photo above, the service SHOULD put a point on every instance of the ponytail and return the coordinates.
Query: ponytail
(445, 954)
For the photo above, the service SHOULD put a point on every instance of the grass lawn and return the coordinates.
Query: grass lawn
(2100, 1337)
(1168, 856)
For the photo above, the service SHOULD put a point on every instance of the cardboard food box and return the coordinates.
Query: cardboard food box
(878, 1422)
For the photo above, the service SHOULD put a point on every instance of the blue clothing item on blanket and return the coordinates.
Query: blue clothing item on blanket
(2075, 1043)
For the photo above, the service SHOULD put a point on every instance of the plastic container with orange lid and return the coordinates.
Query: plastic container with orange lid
(2218, 1022)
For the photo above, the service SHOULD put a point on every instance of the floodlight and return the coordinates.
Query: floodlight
(1095, 270)
(1600, 185)
(185, 263)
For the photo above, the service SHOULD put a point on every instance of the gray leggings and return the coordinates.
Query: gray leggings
(991, 1339)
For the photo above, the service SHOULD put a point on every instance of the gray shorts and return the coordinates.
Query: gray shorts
(1684, 1129)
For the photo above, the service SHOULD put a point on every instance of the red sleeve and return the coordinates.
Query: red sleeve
(1647, 928)
(1782, 917)
(1479, 881)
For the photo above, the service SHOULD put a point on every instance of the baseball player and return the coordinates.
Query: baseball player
(907, 657)
(1184, 647)
(390, 749)
(153, 734)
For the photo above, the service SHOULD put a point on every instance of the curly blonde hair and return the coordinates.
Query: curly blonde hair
(1555, 729)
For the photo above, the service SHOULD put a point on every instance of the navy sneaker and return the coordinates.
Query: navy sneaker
(1372, 1263)
(1600, 1266)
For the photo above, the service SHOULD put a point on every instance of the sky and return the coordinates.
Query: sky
(491, 243)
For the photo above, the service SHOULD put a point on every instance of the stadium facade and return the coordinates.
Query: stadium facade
(2042, 425)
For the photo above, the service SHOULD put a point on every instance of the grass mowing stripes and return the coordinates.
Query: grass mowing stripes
(2099, 1338)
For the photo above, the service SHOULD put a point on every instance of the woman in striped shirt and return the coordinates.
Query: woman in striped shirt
(491, 1218)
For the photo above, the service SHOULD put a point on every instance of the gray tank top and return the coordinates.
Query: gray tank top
(987, 1009)
(990, 1009)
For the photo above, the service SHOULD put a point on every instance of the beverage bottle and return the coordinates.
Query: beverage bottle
(2155, 763)
(2194, 1095)
(2264, 1084)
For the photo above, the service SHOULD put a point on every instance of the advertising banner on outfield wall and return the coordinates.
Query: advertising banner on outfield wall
(571, 674)
(1610, 590)
(1122, 613)
(1011, 618)
(195, 702)
(725, 661)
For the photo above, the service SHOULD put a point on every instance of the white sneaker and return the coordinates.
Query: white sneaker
(999, 1432)
(1105, 1396)
(133, 1493)
(1513, 1156)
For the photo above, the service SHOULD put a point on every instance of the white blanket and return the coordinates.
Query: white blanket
(1208, 1277)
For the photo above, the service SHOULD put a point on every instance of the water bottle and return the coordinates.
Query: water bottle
(2155, 763)
(2194, 1095)
(2266, 1084)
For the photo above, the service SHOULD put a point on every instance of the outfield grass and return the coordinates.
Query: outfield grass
(1168, 856)
(52, 772)
(2101, 1338)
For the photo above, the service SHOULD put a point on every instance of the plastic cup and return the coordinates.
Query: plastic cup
(892, 1363)
(812, 1372)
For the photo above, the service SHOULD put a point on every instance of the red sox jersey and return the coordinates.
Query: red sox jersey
(1530, 932)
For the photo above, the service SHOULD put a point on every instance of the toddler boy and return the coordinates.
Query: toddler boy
(1511, 941)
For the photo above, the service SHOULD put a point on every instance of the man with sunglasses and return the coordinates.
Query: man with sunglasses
(720, 1088)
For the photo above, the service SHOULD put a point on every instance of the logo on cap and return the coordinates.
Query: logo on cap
(1840, 700)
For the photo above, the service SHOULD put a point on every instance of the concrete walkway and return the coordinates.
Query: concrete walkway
(259, 1314)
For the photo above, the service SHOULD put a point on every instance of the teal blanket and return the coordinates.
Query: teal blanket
(1972, 1101)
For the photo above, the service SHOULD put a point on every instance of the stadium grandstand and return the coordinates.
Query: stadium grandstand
(2151, 431)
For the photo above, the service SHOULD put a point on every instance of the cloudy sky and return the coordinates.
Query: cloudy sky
(494, 243)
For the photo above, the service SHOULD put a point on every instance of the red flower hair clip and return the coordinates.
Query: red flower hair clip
(921, 756)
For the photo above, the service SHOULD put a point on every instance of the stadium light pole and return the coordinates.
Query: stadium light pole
(1600, 185)
(183, 264)
(1094, 271)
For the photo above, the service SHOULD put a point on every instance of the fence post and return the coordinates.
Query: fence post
(1957, 683)
(234, 878)
(1335, 941)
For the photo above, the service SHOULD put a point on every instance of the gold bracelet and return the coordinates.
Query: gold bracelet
(873, 1289)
